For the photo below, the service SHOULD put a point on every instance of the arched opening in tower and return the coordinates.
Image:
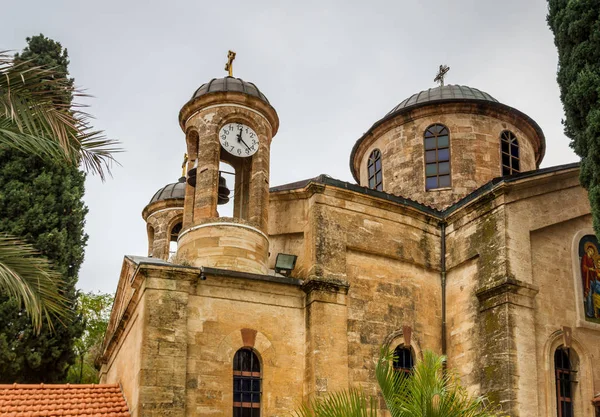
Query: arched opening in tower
(226, 191)
(173, 235)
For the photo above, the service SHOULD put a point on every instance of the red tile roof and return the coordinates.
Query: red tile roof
(31, 400)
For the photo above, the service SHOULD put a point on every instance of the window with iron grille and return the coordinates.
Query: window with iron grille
(246, 384)
(437, 157)
(564, 382)
(403, 360)
(375, 172)
(509, 147)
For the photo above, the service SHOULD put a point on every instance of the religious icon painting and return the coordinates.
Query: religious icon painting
(589, 261)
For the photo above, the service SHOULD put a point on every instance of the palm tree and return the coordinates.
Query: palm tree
(33, 121)
(429, 391)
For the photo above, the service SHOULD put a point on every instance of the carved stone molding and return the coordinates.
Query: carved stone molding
(508, 290)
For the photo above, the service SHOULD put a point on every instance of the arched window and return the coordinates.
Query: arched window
(437, 157)
(246, 384)
(509, 146)
(150, 239)
(564, 382)
(173, 238)
(403, 360)
(374, 169)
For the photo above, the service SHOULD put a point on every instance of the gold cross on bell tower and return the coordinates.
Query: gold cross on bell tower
(229, 64)
(440, 75)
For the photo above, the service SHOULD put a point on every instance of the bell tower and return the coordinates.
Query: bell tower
(230, 121)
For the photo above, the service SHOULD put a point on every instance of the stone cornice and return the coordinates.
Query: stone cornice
(326, 285)
(506, 291)
(229, 97)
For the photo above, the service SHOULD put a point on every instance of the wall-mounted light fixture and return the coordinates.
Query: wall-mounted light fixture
(285, 263)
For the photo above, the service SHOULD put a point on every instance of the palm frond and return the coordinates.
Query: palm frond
(429, 391)
(32, 106)
(30, 279)
(347, 403)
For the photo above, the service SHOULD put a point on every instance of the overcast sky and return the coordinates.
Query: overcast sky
(330, 69)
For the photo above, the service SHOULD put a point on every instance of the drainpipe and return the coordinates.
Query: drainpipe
(443, 281)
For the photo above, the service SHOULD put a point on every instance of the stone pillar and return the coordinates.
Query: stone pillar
(258, 203)
(192, 151)
(507, 354)
(207, 173)
(326, 337)
(162, 378)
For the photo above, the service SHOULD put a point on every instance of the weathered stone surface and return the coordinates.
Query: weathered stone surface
(369, 271)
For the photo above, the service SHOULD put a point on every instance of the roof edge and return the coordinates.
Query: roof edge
(441, 214)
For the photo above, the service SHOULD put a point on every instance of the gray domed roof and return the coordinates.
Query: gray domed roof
(172, 191)
(444, 93)
(229, 84)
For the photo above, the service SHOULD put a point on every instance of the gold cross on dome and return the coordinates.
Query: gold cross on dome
(229, 65)
(440, 75)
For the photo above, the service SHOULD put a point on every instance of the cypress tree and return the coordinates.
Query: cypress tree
(576, 28)
(41, 202)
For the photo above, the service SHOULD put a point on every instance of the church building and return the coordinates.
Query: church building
(451, 239)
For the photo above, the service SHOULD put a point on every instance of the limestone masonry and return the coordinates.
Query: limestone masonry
(452, 240)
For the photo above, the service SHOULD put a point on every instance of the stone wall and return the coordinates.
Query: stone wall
(220, 311)
(474, 154)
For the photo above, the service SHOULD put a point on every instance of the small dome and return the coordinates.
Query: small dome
(229, 84)
(444, 93)
(170, 192)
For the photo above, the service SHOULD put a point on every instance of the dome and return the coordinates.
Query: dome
(480, 101)
(446, 93)
(172, 191)
(229, 84)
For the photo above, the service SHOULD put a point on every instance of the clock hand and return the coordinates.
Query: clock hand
(242, 140)
(239, 138)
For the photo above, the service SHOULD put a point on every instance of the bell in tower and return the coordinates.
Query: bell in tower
(227, 121)
(223, 191)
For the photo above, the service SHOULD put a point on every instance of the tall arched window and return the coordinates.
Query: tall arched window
(509, 146)
(437, 157)
(403, 360)
(374, 169)
(564, 382)
(246, 384)
(174, 234)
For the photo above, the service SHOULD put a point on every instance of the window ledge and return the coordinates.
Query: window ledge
(439, 189)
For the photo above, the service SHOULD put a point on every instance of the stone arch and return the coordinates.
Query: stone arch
(262, 347)
(397, 338)
(240, 338)
(162, 222)
(177, 218)
(192, 137)
(240, 117)
(582, 390)
(150, 231)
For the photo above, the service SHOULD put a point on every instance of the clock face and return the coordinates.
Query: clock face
(238, 139)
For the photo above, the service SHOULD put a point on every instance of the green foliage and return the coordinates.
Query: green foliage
(95, 311)
(428, 392)
(37, 116)
(576, 28)
(30, 280)
(41, 201)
